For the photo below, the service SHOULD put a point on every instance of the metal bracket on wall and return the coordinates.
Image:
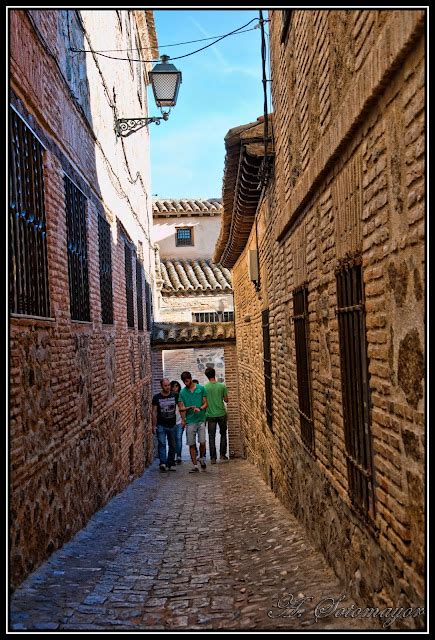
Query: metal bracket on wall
(126, 126)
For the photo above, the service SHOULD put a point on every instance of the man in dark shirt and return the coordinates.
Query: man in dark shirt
(164, 419)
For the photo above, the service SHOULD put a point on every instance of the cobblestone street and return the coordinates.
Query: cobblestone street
(179, 551)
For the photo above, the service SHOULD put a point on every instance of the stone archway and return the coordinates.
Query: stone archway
(160, 343)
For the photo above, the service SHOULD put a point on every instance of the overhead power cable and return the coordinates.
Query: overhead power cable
(264, 169)
(186, 55)
(161, 46)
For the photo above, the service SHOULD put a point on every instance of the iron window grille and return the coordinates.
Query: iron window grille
(300, 319)
(75, 205)
(105, 255)
(28, 275)
(184, 237)
(354, 384)
(213, 316)
(149, 302)
(129, 285)
(267, 365)
(139, 295)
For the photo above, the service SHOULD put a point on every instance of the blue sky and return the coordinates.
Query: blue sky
(221, 89)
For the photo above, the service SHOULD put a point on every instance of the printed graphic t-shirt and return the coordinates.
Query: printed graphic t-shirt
(166, 405)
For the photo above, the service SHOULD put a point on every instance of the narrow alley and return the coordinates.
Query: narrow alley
(176, 551)
(222, 239)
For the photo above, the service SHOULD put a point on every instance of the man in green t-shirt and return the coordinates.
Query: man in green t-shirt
(192, 405)
(217, 395)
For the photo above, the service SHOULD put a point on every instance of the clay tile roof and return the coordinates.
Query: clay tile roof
(169, 205)
(173, 207)
(185, 332)
(183, 277)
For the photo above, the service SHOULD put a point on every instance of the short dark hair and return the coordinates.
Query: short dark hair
(210, 372)
(195, 381)
(174, 382)
(186, 375)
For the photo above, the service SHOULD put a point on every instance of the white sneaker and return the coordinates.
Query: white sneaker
(194, 469)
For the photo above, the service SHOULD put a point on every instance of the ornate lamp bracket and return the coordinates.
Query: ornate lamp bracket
(126, 126)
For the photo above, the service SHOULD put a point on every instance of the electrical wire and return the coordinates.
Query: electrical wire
(186, 55)
(118, 188)
(111, 172)
(269, 71)
(264, 170)
(264, 80)
(161, 46)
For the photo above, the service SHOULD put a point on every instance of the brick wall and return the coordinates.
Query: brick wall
(194, 360)
(79, 391)
(235, 444)
(348, 90)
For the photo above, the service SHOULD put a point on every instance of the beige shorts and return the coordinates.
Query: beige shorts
(192, 429)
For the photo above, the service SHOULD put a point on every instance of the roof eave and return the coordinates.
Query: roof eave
(240, 192)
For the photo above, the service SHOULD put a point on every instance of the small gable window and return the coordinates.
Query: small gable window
(184, 237)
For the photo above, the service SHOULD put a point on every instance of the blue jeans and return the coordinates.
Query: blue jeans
(168, 433)
(178, 444)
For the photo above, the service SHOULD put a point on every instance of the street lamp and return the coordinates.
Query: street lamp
(165, 81)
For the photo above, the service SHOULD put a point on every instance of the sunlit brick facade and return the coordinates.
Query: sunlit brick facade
(344, 207)
(80, 232)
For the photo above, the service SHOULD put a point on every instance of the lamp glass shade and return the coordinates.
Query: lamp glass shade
(165, 81)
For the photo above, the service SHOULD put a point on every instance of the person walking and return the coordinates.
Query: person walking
(164, 418)
(196, 446)
(176, 388)
(216, 414)
(192, 404)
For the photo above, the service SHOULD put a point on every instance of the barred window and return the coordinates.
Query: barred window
(105, 254)
(267, 365)
(129, 285)
(28, 275)
(300, 319)
(213, 316)
(139, 295)
(75, 205)
(184, 237)
(354, 384)
(149, 304)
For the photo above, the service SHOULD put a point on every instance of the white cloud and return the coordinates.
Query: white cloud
(215, 49)
(224, 66)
